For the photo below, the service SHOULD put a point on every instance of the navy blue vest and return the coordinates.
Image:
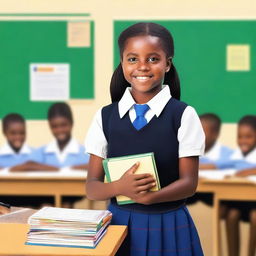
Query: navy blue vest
(158, 136)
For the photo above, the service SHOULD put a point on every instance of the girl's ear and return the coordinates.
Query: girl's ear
(168, 64)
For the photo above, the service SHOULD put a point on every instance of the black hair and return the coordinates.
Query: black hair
(60, 109)
(11, 118)
(248, 120)
(213, 119)
(118, 82)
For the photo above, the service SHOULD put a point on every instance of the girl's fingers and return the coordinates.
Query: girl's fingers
(147, 187)
(133, 169)
(142, 176)
(145, 181)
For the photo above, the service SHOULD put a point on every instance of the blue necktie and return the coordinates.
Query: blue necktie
(140, 120)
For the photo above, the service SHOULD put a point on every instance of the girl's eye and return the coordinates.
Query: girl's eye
(153, 59)
(133, 59)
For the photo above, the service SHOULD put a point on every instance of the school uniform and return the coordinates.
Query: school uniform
(173, 131)
(217, 152)
(10, 158)
(73, 154)
(238, 161)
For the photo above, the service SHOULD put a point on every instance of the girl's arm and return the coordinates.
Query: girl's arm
(182, 188)
(129, 184)
(80, 167)
(246, 172)
(33, 166)
(207, 167)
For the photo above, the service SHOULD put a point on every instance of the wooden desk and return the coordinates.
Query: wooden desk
(15, 246)
(227, 189)
(43, 183)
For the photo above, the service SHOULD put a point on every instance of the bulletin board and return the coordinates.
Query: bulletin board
(41, 41)
(201, 61)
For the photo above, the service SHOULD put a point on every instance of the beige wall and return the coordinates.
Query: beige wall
(103, 12)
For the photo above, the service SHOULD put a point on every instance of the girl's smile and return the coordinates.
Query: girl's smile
(246, 138)
(144, 64)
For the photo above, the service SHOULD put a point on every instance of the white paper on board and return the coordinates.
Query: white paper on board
(49, 82)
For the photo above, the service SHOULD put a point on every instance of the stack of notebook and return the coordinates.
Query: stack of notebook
(68, 227)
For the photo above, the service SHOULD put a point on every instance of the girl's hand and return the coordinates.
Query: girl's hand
(144, 197)
(243, 173)
(131, 184)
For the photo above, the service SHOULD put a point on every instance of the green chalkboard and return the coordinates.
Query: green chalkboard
(25, 42)
(200, 58)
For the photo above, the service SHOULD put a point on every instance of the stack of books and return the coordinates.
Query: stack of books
(68, 227)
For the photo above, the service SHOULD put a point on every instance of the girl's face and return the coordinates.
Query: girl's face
(61, 128)
(246, 138)
(144, 64)
(15, 134)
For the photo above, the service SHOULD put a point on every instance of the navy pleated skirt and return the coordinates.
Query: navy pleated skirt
(171, 233)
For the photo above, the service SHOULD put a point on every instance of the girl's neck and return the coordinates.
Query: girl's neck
(143, 97)
(63, 144)
(16, 150)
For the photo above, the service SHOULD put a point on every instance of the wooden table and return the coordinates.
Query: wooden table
(13, 236)
(71, 183)
(227, 189)
(44, 183)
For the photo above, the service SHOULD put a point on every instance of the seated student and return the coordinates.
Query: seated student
(64, 151)
(244, 160)
(214, 151)
(15, 151)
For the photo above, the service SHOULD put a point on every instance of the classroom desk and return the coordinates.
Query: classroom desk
(43, 183)
(59, 184)
(9, 246)
(227, 189)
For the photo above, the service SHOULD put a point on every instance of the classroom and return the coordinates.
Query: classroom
(62, 51)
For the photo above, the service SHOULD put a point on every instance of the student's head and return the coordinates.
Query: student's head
(14, 129)
(246, 137)
(211, 124)
(146, 53)
(60, 121)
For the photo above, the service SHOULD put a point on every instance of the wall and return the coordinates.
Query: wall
(103, 12)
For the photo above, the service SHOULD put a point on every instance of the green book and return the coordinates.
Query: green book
(115, 167)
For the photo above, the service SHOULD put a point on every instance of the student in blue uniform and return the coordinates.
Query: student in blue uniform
(147, 116)
(15, 151)
(214, 151)
(244, 160)
(64, 151)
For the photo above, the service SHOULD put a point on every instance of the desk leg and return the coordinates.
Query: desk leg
(216, 227)
(57, 199)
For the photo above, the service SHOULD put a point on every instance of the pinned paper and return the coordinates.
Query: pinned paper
(238, 57)
(49, 81)
(78, 34)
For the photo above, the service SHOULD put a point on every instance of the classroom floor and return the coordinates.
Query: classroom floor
(202, 215)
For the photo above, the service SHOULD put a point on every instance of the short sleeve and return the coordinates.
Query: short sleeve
(37, 155)
(190, 134)
(95, 141)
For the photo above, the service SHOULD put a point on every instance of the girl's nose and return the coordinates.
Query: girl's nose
(143, 66)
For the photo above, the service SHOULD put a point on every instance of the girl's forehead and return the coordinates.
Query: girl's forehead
(143, 42)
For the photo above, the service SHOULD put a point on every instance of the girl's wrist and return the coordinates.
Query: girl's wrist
(116, 188)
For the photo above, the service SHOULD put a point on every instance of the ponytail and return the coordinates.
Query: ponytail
(172, 79)
(118, 84)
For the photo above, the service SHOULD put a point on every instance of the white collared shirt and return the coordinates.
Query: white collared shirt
(72, 147)
(6, 149)
(190, 134)
(250, 158)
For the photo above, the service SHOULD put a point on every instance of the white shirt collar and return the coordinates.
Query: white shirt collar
(71, 147)
(214, 152)
(6, 149)
(251, 157)
(156, 104)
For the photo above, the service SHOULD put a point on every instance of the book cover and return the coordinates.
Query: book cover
(115, 167)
